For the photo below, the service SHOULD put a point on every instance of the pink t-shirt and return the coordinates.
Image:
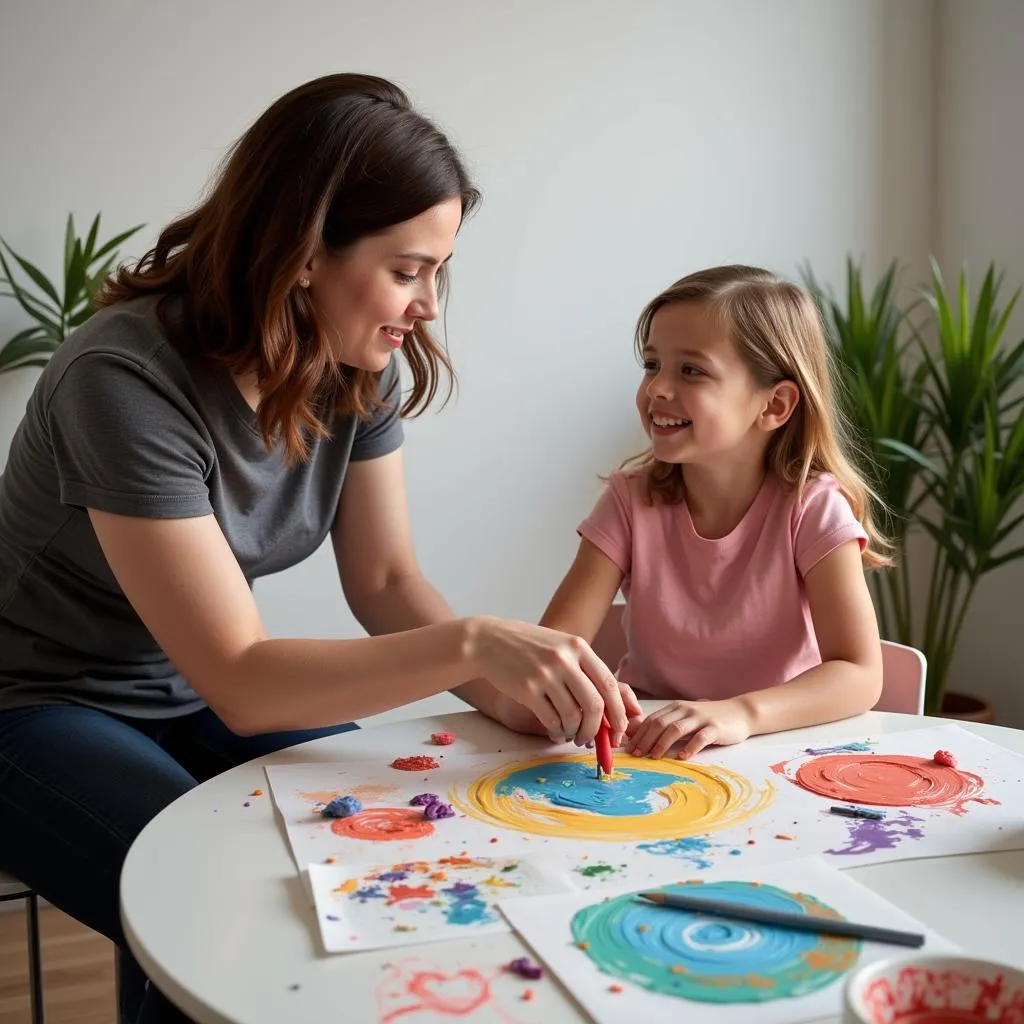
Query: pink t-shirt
(716, 618)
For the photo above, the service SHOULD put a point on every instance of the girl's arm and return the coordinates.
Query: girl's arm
(849, 679)
(585, 594)
(846, 683)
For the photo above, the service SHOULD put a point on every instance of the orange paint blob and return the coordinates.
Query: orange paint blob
(889, 780)
(383, 824)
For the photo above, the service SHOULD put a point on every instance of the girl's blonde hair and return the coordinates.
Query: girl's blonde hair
(775, 327)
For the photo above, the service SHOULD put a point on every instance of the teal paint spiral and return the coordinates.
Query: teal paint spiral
(712, 959)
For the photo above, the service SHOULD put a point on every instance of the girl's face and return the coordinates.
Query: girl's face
(698, 401)
(370, 297)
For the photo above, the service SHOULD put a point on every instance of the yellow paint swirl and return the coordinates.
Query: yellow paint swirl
(561, 798)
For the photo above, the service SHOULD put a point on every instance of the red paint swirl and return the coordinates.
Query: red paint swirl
(889, 780)
(383, 824)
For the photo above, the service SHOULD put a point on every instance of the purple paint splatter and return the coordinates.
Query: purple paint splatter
(392, 876)
(865, 836)
(371, 892)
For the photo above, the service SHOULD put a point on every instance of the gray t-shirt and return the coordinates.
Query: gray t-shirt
(121, 421)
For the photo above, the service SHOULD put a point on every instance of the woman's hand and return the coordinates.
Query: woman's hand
(699, 724)
(555, 676)
(519, 718)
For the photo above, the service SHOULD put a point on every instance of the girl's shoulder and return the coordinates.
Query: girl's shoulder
(630, 483)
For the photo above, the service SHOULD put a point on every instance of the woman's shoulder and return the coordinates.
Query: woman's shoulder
(131, 329)
(126, 342)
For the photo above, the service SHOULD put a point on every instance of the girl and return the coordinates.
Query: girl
(234, 403)
(740, 538)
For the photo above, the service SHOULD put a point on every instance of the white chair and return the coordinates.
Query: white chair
(903, 668)
(12, 889)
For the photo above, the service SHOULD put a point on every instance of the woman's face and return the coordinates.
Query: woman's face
(369, 297)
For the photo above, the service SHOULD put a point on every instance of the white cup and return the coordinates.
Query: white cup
(930, 989)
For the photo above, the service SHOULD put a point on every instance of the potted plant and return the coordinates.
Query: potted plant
(56, 311)
(945, 444)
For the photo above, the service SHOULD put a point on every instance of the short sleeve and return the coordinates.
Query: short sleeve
(824, 521)
(383, 432)
(124, 442)
(609, 527)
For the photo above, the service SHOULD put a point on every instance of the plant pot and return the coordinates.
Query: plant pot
(967, 707)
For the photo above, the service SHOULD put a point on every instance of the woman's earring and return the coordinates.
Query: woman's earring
(303, 282)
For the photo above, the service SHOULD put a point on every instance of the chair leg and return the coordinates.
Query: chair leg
(35, 960)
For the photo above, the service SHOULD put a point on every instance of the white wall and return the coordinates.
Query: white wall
(980, 218)
(618, 145)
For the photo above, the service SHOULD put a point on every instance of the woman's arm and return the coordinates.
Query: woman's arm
(185, 584)
(384, 585)
(380, 575)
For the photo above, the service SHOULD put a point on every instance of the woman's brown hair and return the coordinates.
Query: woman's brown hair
(335, 160)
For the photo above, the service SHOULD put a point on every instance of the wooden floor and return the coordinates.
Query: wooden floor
(78, 971)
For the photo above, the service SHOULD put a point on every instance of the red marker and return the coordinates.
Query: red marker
(603, 745)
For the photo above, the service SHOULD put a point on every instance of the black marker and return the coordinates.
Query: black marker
(857, 812)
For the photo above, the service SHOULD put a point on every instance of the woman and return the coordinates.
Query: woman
(234, 401)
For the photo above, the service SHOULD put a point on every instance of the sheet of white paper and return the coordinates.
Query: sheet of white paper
(370, 906)
(729, 805)
(930, 809)
(646, 963)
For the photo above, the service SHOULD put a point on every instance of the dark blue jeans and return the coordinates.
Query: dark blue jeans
(78, 785)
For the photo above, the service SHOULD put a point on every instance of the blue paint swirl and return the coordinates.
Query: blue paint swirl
(572, 784)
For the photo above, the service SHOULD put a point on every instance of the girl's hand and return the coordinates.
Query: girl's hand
(699, 724)
(554, 675)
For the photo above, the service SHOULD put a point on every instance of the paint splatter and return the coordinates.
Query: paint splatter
(710, 959)
(695, 849)
(866, 836)
(646, 799)
(416, 763)
(594, 870)
(401, 893)
(410, 892)
(383, 824)
(368, 793)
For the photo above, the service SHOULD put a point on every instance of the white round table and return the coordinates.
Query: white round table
(216, 913)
